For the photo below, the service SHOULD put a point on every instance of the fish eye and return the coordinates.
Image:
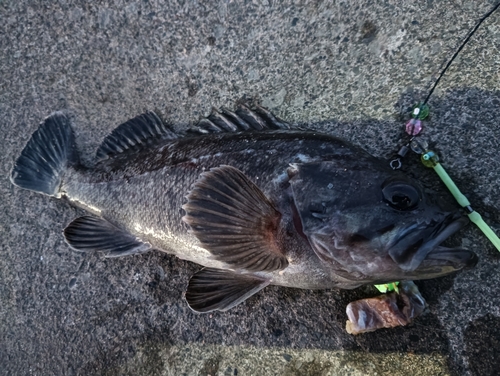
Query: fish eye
(401, 195)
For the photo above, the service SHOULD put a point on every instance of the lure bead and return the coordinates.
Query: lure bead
(419, 146)
(414, 127)
(429, 159)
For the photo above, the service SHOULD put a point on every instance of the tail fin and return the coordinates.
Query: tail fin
(49, 152)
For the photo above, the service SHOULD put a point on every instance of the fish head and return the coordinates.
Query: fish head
(371, 224)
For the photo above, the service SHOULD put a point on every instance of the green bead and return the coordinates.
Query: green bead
(429, 159)
(422, 111)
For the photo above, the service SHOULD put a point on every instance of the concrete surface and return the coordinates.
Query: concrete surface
(350, 69)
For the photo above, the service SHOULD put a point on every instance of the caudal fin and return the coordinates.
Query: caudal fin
(49, 152)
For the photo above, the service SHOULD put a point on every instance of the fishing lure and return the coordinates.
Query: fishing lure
(430, 159)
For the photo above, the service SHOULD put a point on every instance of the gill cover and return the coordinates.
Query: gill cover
(350, 215)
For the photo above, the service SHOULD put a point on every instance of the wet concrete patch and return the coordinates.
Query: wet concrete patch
(216, 360)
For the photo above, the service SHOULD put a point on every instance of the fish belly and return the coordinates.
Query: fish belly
(148, 206)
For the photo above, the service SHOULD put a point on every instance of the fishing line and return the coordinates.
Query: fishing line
(421, 110)
(466, 40)
(430, 159)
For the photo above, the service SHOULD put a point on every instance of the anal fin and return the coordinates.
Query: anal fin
(86, 234)
(220, 290)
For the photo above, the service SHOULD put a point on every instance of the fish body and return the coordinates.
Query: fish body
(164, 174)
(254, 202)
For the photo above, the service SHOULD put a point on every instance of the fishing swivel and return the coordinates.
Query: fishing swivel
(413, 127)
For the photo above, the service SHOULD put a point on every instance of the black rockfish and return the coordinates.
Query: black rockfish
(253, 201)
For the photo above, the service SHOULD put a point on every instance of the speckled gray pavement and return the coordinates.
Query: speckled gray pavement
(349, 69)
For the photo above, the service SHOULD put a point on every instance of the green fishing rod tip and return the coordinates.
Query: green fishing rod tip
(430, 159)
(476, 218)
(388, 287)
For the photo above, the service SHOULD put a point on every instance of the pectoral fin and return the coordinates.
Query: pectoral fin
(235, 221)
(88, 233)
(220, 290)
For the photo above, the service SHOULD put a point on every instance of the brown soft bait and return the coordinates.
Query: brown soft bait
(385, 311)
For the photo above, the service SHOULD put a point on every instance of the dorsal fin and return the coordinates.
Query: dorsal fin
(242, 119)
(148, 128)
(141, 130)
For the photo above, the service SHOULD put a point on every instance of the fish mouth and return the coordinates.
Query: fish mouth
(419, 246)
(458, 257)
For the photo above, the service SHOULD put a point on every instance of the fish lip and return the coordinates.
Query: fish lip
(409, 255)
(456, 257)
(435, 252)
(450, 229)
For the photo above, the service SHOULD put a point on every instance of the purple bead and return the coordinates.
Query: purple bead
(413, 127)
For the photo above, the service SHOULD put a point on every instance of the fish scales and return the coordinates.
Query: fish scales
(144, 191)
(252, 201)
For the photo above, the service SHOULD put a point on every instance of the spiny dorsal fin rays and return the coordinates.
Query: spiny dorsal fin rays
(148, 128)
(242, 119)
(136, 132)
